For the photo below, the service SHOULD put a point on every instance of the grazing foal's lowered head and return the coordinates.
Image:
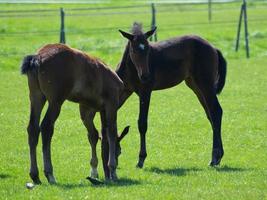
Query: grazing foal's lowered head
(139, 50)
(118, 143)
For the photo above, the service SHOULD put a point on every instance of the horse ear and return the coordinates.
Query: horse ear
(124, 132)
(127, 35)
(151, 32)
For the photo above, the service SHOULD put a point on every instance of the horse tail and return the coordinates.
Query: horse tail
(222, 68)
(29, 63)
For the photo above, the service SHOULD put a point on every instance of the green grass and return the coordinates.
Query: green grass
(179, 137)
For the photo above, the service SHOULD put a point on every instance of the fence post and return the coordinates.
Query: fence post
(246, 27)
(239, 28)
(153, 22)
(62, 29)
(243, 12)
(209, 10)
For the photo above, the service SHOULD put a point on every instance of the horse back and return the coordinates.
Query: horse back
(67, 73)
(179, 58)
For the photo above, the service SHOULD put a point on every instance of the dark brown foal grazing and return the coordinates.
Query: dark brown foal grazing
(155, 66)
(58, 73)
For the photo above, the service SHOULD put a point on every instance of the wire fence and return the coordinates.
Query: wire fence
(117, 1)
(109, 11)
(108, 1)
(121, 11)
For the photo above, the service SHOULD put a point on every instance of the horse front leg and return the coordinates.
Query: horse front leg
(104, 145)
(111, 136)
(144, 98)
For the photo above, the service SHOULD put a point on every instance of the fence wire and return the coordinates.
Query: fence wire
(112, 11)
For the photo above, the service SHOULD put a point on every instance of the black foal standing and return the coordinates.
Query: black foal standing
(149, 66)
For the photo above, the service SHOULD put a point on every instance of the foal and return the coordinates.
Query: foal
(58, 73)
(155, 66)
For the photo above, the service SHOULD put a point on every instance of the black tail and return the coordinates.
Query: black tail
(29, 63)
(222, 72)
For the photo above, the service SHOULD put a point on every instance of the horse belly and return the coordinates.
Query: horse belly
(169, 77)
(84, 94)
(160, 85)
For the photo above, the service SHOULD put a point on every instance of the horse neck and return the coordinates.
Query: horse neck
(125, 69)
(122, 65)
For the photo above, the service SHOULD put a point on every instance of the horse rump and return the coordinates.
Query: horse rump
(221, 72)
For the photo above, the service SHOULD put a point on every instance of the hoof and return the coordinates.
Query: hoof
(94, 181)
(217, 155)
(141, 161)
(140, 164)
(112, 173)
(214, 164)
(94, 174)
(110, 181)
(51, 179)
(36, 180)
(113, 176)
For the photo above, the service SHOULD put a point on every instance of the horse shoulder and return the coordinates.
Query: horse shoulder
(112, 86)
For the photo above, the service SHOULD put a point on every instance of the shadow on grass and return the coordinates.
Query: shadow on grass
(123, 182)
(174, 171)
(120, 183)
(5, 176)
(227, 168)
(68, 186)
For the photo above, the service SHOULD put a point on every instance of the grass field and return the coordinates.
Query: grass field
(179, 136)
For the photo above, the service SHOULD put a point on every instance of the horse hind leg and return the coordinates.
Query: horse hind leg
(210, 103)
(87, 117)
(216, 113)
(37, 104)
(192, 85)
(47, 129)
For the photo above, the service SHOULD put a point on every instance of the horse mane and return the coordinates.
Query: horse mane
(137, 28)
(121, 66)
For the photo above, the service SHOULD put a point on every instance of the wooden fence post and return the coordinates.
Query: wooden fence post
(239, 28)
(209, 10)
(243, 12)
(62, 27)
(246, 27)
(153, 22)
